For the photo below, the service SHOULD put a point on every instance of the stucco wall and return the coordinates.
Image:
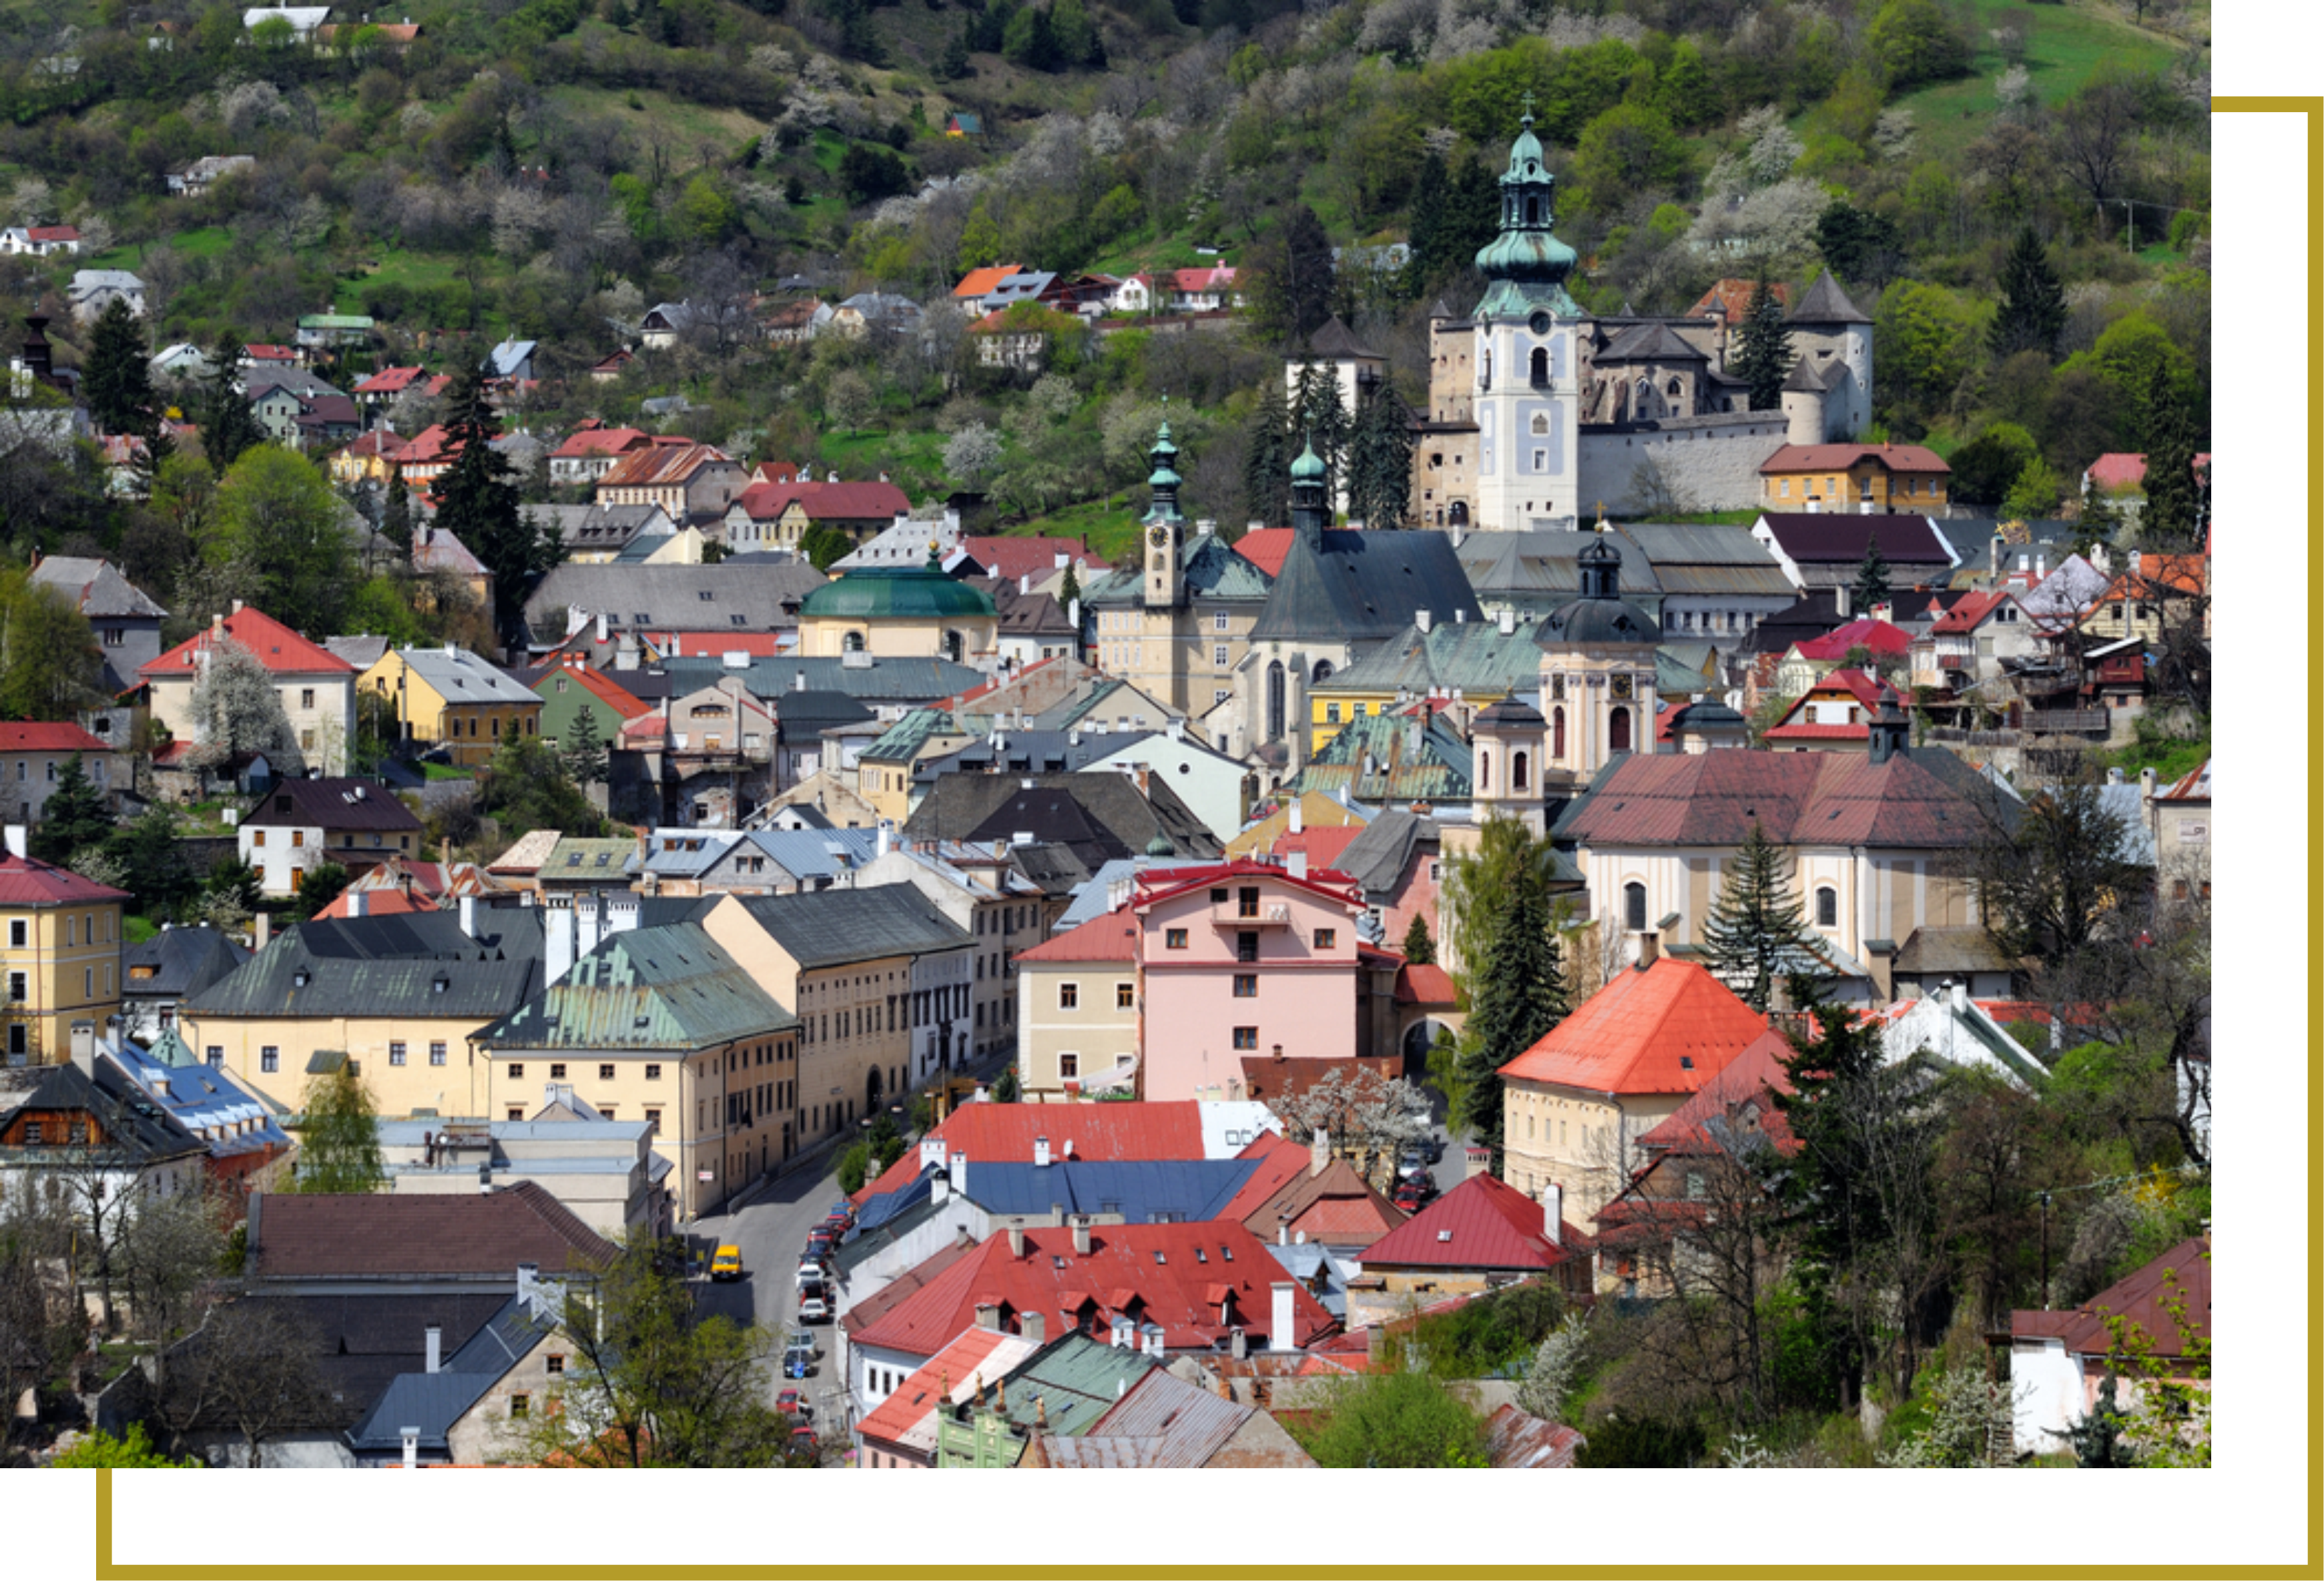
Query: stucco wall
(1711, 464)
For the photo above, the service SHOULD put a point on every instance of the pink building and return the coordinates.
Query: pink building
(1237, 960)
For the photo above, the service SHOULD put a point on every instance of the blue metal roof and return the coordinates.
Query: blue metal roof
(1142, 1192)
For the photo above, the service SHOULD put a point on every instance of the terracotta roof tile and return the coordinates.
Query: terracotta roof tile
(274, 645)
(1668, 1028)
(1480, 1223)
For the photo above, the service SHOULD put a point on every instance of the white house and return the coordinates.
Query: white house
(303, 19)
(1216, 787)
(93, 288)
(39, 241)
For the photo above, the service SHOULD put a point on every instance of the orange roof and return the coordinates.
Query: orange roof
(1265, 548)
(600, 441)
(979, 282)
(1110, 937)
(1425, 985)
(654, 466)
(1731, 299)
(611, 692)
(383, 902)
(274, 645)
(1323, 844)
(1668, 1027)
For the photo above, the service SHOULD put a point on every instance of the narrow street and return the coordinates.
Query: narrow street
(771, 1231)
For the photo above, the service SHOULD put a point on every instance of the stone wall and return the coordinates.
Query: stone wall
(1709, 463)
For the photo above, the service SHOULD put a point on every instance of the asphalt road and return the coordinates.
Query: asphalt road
(772, 1232)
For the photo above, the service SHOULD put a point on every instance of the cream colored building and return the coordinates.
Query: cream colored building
(900, 611)
(60, 956)
(317, 687)
(1079, 1010)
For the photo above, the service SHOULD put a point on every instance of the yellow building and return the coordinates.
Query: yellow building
(898, 611)
(884, 771)
(450, 696)
(61, 948)
(1855, 477)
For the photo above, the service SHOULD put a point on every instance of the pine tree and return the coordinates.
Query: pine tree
(2032, 311)
(955, 62)
(1763, 348)
(1266, 462)
(227, 426)
(1419, 948)
(395, 516)
(1515, 979)
(117, 382)
(1754, 924)
(477, 501)
(2096, 1441)
(586, 757)
(1424, 259)
(338, 1145)
(1070, 587)
(1871, 588)
(73, 816)
(2172, 517)
(1379, 459)
(1321, 419)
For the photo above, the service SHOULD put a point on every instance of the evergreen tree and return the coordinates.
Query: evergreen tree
(586, 757)
(2096, 1441)
(1321, 418)
(1763, 348)
(2032, 311)
(1514, 977)
(2172, 517)
(1070, 587)
(1871, 587)
(74, 815)
(955, 63)
(1755, 923)
(338, 1145)
(1379, 459)
(395, 516)
(227, 426)
(117, 382)
(477, 503)
(1419, 948)
(1005, 1088)
(1266, 461)
(1291, 277)
(321, 884)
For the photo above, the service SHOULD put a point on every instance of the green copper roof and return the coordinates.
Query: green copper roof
(666, 987)
(1526, 264)
(896, 593)
(1309, 466)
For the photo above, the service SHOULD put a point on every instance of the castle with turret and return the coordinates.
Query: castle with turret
(1539, 414)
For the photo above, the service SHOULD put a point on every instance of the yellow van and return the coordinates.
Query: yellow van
(726, 1263)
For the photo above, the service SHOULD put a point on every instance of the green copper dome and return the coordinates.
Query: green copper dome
(1526, 264)
(1309, 468)
(896, 593)
(1160, 846)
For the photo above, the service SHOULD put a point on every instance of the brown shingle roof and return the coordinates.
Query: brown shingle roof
(1923, 799)
(356, 1236)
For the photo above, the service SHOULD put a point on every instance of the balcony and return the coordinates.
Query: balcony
(1267, 914)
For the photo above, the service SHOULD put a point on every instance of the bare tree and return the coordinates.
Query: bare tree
(250, 1371)
(41, 1324)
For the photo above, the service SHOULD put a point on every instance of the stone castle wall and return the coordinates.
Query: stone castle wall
(1709, 463)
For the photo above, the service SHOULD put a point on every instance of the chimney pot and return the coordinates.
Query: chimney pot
(1081, 1234)
(435, 1348)
(1017, 1242)
(1649, 949)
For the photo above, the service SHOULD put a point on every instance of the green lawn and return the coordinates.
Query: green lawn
(2064, 46)
(209, 241)
(136, 930)
(1111, 525)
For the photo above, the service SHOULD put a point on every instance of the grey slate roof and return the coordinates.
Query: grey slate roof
(1952, 949)
(1212, 570)
(1094, 897)
(1377, 858)
(1099, 817)
(884, 680)
(362, 1344)
(658, 988)
(138, 1132)
(671, 597)
(101, 592)
(1690, 559)
(800, 715)
(833, 925)
(1513, 567)
(1824, 302)
(382, 967)
(333, 805)
(1027, 752)
(184, 961)
(363, 652)
(1335, 341)
(1363, 587)
(462, 677)
(1650, 342)
(434, 1401)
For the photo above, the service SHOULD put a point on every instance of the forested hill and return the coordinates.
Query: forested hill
(551, 169)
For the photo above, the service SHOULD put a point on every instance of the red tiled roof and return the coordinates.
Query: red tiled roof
(948, 1375)
(1516, 1442)
(1668, 1028)
(274, 645)
(1110, 937)
(655, 465)
(1151, 1271)
(53, 233)
(388, 901)
(2137, 1300)
(598, 685)
(36, 735)
(323, 1235)
(1818, 733)
(261, 352)
(390, 381)
(900, 1289)
(713, 644)
(2126, 469)
(1965, 615)
(431, 444)
(1322, 845)
(825, 502)
(598, 441)
(1004, 1131)
(378, 442)
(1425, 985)
(1265, 548)
(1279, 1161)
(1756, 1070)
(1731, 299)
(29, 881)
(1480, 1223)
(2188, 574)
(1170, 882)
(1876, 636)
(1911, 458)
(1010, 559)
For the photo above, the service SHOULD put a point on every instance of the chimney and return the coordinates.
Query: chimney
(2147, 783)
(887, 838)
(1034, 1326)
(988, 1316)
(1552, 1213)
(84, 1047)
(1960, 999)
(357, 902)
(16, 840)
(1650, 947)
(1298, 816)
(468, 915)
(435, 1348)
(1017, 1242)
(940, 1190)
(1422, 619)
(1508, 621)
(1297, 863)
(1282, 1329)
(558, 956)
(261, 928)
(1040, 1153)
(1154, 1342)
(1239, 1344)
(1057, 1215)
(1319, 1152)
(410, 1447)
(1081, 1234)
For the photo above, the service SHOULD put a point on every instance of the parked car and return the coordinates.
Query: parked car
(726, 1263)
(1408, 1197)
(791, 1402)
(841, 1219)
(814, 1308)
(797, 1364)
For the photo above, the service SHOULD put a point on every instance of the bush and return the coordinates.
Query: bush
(854, 1167)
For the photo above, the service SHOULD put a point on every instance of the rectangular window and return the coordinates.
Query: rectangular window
(1174, 938)
(1125, 995)
(298, 837)
(1246, 947)
(1331, 713)
(1327, 938)
(1219, 655)
(32, 1132)
(435, 1054)
(214, 1054)
(307, 697)
(1069, 1066)
(519, 1405)
(557, 1073)
(1247, 902)
(654, 1072)
(16, 934)
(270, 1059)
(19, 987)
(653, 1121)
(1069, 996)
(516, 1071)
(1245, 985)
(395, 1053)
(554, 1363)
(514, 1113)
(1219, 622)
(1245, 1037)
(604, 1073)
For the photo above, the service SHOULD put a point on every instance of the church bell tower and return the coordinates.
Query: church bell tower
(1164, 528)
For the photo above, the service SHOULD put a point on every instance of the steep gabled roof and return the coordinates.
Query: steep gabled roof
(275, 646)
(2137, 1300)
(101, 591)
(322, 1237)
(1001, 1132)
(1481, 1223)
(358, 804)
(655, 988)
(1667, 1027)
(27, 881)
(1362, 587)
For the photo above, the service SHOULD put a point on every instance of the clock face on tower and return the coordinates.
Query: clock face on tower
(1157, 538)
(1621, 685)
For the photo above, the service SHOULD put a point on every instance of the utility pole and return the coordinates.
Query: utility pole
(2045, 1251)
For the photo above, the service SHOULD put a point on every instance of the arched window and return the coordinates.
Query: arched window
(1617, 731)
(1540, 365)
(1459, 513)
(1533, 211)
(1485, 369)
(852, 643)
(1646, 387)
(1518, 776)
(1634, 906)
(1275, 702)
(1323, 673)
(1541, 424)
(1485, 772)
(1557, 734)
(1827, 907)
(1675, 388)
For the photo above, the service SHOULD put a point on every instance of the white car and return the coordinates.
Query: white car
(814, 1308)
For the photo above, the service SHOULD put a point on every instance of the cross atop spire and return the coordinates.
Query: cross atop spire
(1528, 107)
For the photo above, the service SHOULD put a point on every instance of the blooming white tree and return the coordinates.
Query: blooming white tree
(235, 709)
(972, 453)
(1367, 1116)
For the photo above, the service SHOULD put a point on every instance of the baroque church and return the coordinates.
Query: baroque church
(1540, 414)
